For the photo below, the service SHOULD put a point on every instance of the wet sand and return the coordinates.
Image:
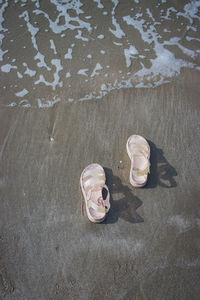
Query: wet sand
(148, 248)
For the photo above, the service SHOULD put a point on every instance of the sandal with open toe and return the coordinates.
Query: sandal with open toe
(95, 192)
(139, 153)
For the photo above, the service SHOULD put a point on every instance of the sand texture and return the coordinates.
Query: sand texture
(148, 247)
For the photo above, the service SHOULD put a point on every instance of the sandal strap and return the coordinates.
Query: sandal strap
(139, 148)
(145, 171)
(139, 151)
(96, 207)
(94, 181)
(93, 177)
(96, 172)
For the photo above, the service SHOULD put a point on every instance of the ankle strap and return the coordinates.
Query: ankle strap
(96, 207)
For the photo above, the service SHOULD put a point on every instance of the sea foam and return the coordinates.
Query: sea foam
(65, 42)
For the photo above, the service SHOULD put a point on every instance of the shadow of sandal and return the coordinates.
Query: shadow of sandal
(126, 206)
(161, 172)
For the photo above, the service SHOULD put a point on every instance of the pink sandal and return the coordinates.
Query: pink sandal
(92, 184)
(139, 152)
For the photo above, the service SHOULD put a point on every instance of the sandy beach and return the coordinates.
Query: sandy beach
(148, 246)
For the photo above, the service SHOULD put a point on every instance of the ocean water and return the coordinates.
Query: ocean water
(76, 50)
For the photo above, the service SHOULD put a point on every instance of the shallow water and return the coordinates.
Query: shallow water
(61, 50)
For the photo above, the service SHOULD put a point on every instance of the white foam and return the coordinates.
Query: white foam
(68, 75)
(83, 72)
(80, 37)
(6, 68)
(175, 41)
(22, 93)
(166, 30)
(12, 104)
(118, 44)
(117, 32)
(139, 26)
(168, 13)
(108, 87)
(97, 68)
(28, 71)
(39, 56)
(53, 47)
(165, 64)
(33, 30)
(24, 101)
(28, 105)
(150, 14)
(130, 53)
(87, 97)
(68, 55)
(156, 49)
(37, 3)
(103, 87)
(191, 10)
(56, 82)
(19, 75)
(100, 36)
(99, 4)
(62, 10)
(190, 38)
(193, 28)
(48, 103)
